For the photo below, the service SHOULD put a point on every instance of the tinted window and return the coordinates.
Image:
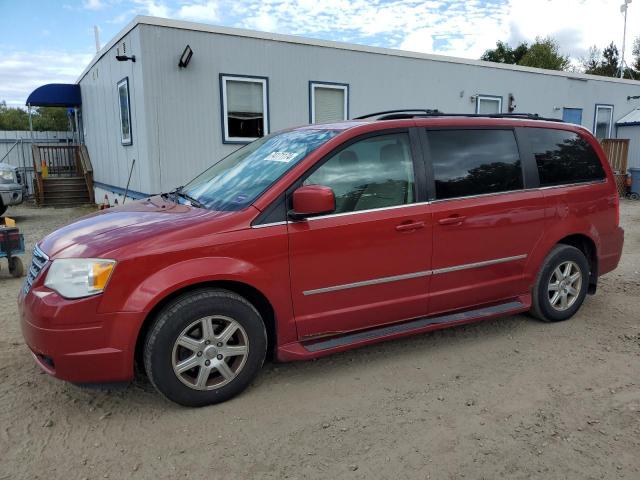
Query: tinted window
(474, 162)
(373, 173)
(563, 157)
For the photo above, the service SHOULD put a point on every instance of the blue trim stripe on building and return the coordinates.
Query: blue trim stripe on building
(121, 191)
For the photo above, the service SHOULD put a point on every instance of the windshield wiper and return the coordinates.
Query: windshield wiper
(189, 198)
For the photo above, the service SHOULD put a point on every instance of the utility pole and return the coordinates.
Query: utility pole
(623, 9)
(96, 34)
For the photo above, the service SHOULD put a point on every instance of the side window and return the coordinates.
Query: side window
(376, 172)
(488, 104)
(329, 102)
(244, 108)
(125, 112)
(474, 162)
(563, 157)
(603, 121)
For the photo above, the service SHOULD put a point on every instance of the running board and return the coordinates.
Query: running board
(418, 324)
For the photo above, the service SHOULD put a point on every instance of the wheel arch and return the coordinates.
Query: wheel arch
(250, 293)
(588, 247)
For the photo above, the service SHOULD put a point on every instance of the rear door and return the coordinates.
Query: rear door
(368, 263)
(486, 222)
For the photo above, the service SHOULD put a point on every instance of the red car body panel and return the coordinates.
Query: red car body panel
(357, 248)
(162, 248)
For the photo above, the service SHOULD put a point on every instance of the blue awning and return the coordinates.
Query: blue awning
(56, 95)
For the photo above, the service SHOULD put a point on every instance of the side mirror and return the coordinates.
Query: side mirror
(311, 200)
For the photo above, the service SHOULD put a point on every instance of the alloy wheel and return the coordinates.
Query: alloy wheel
(564, 285)
(210, 352)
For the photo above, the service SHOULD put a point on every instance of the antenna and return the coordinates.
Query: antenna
(96, 34)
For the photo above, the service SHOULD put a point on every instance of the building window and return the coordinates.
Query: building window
(488, 104)
(603, 121)
(245, 110)
(329, 102)
(572, 115)
(125, 112)
(474, 162)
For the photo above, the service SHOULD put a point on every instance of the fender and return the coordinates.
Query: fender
(556, 230)
(176, 276)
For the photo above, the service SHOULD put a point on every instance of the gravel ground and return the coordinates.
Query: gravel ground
(509, 398)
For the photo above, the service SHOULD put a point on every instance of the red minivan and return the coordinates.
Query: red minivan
(322, 238)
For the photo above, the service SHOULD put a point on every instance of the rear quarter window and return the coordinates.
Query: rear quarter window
(563, 157)
(474, 162)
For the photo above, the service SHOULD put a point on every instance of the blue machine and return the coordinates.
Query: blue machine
(635, 183)
(12, 244)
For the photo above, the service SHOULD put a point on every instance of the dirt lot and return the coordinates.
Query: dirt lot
(510, 398)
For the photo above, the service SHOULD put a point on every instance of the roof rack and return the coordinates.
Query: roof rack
(427, 113)
(407, 113)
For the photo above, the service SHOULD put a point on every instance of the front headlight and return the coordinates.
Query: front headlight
(7, 176)
(79, 277)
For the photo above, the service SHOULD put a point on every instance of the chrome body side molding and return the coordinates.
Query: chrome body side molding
(409, 276)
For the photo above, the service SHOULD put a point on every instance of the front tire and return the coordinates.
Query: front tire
(205, 347)
(561, 285)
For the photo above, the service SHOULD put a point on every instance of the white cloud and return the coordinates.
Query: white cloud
(93, 4)
(576, 24)
(201, 12)
(153, 8)
(457, 28)
(23, 72)
(420, 40)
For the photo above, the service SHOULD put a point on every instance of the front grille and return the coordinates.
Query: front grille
(38, 261)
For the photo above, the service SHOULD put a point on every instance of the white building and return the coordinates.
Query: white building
(177, 120)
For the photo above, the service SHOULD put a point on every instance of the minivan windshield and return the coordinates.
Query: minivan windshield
(238, 179)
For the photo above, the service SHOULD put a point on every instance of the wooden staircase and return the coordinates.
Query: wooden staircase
(63, 175)
(64, 192)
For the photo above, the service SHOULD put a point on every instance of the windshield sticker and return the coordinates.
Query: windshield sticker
(284, 157)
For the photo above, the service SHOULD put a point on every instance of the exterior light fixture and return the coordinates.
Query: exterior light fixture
(185, 58)
(124, 58)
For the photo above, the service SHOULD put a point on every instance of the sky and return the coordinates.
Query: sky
(47, 41)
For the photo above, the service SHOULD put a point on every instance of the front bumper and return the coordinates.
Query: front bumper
(11, 195)
(71, 341)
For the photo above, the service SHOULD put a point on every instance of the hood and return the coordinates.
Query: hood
(97, 234)
(6, 166)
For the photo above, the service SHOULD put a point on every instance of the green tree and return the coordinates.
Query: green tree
(636, 55)
(545, 53)
(43, 118)
(51, 119)
(503, 53)
(608, 65)
(13, 118)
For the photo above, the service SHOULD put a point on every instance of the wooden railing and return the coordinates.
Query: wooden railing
(617, 150)
(87, 170)
(61, 161)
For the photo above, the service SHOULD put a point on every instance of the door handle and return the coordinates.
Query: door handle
(452, 220)
(408, 227)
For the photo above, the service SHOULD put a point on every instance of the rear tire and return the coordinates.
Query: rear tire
(205, 347)
(561, 285)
